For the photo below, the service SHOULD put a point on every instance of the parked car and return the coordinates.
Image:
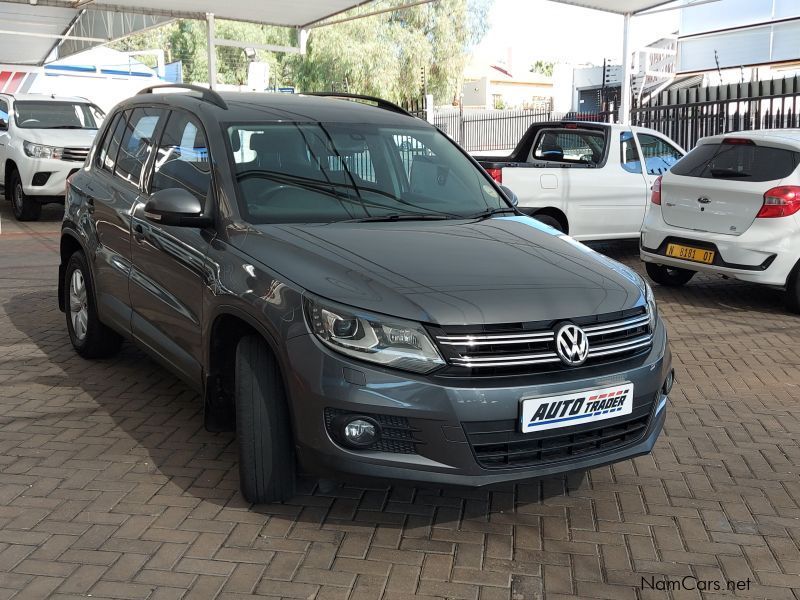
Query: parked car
(589, 180)
(352, 313)
(729, 207)
(43, 140)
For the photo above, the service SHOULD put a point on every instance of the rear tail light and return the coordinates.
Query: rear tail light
(781, 201)
(655, 198)
(496, 174)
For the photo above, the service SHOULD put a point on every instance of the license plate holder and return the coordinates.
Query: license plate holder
(575, 408)
(691, 253)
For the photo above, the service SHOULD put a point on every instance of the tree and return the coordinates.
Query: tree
(543, 67)
(381, 55)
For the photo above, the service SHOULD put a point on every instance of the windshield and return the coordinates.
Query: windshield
(328, 172)
(32, 114)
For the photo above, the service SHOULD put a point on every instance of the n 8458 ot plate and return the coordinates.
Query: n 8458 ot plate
(689, 253)
(539, 414)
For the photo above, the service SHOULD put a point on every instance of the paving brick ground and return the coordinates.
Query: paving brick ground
(110, 487)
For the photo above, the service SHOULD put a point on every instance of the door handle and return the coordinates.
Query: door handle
(138, 232)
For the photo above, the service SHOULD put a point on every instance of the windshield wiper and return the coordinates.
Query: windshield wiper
(401, 217)
(65, 127)
(724, 173)
(488, 214)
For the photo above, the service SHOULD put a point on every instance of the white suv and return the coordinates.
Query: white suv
(729, 207)
(43, 140)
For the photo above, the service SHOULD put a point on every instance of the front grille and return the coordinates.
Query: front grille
(75, 154)
(500, 444)
(531, 348)
(397, 435)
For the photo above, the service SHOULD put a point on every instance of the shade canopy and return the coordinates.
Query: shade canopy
(30, 31)
(620, 7)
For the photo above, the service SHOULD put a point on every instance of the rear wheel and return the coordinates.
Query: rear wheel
(668, 276)
(793, 290)
(550, 221)
(25, 208)
(89, 337)
(263, 428)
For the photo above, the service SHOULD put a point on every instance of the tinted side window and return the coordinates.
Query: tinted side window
(102, 149)
(628, 153)
(108, 158)
(182, 159)
(570, 145)
(744, 162)
(659, 156)
(137, 143)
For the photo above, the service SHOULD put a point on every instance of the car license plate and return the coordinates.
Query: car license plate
(577, 408)
(689, 253)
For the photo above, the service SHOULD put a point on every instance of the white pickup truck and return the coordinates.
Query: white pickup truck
(590, 180)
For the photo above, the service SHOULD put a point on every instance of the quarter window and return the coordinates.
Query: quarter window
(182, 159)
(107, 153)
(659, 156)
(136, 143)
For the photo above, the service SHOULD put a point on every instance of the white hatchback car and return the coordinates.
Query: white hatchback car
(730, 207)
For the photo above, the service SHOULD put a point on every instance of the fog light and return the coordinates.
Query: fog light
(667, 387)
(359, 432)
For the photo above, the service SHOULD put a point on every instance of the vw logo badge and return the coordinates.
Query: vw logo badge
(572, 345)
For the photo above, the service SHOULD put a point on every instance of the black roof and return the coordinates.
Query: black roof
(259, 106)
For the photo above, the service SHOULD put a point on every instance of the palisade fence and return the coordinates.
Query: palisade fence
(689, 114)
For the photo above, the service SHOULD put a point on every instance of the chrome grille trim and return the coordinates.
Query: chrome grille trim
(536, 348)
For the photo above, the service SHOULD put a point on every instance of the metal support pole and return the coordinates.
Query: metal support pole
(625, 95)
(212, 50)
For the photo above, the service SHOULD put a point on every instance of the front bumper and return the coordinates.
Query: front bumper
(443, 414)
(44, 177)
(765, 253)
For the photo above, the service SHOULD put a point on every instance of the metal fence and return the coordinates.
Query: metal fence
(690, 114)
(482, 130)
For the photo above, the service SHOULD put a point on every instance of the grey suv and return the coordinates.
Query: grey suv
(351, 291)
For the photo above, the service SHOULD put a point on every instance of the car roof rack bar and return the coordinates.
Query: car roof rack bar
(380, 102)
(206, 94)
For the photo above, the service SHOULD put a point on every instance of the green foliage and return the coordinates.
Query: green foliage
(543, 67)
(383, 55)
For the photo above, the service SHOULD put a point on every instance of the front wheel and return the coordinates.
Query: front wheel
(89, 337)
(668, 276)
(263, 427)
(25, 208)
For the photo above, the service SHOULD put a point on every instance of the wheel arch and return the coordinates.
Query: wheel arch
(552, 211)
(230, 324)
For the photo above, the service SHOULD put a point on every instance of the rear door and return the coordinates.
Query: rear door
(719, 187)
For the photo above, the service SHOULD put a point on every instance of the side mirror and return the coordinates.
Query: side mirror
(175, 206)
(512, 197)
(3, 124)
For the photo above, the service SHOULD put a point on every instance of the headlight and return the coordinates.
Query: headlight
(652, 307)
(383, 340)
(42, 151)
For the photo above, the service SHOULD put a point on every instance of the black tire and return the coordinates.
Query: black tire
(668, 276)
(551, 221)
(97, 341)
(263, 427)
(793, 290)
(24, 207)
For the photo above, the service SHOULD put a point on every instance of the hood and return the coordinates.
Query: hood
(500, 270)
(60, 138)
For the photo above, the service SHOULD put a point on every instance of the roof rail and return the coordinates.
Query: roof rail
(206, 94)
(380, 102)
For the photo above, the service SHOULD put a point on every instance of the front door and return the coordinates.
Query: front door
(168, 274)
